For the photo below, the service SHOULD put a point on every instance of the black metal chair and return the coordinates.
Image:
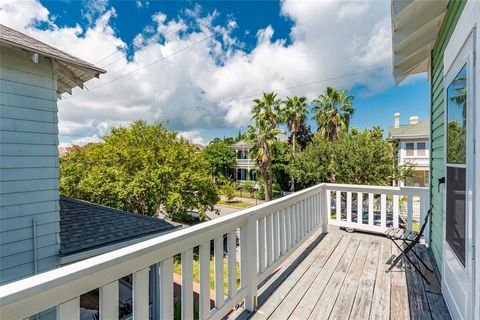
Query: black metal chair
(409, 239)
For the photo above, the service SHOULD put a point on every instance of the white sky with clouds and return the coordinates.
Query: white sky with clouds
(202, 87)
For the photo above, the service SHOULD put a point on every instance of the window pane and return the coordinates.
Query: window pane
(421, 149)
(455, 213)
(409, 148)
(457, 118)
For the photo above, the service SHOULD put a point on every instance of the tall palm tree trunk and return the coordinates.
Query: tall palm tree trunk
(294, 142)
(266, 183)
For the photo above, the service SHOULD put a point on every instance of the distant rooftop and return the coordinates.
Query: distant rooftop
(421, 129)
(71, 71)
(85, 226)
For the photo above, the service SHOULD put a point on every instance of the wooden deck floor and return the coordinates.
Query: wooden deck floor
(342, 276)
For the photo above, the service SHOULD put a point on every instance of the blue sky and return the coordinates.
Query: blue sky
(195, 65)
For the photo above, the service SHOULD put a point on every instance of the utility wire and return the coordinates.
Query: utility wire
(230, 99)
(161, 59)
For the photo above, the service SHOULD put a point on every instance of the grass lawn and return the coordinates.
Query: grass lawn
(177, 268)
(235, 203)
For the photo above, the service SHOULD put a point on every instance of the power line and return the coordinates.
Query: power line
(230, 99)
(161, 59)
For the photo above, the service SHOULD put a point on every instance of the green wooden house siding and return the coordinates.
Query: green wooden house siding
(437, 163)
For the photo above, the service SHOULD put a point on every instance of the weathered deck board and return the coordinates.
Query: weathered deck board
(363, 299)
(343, 305)
(319, 255)
(381, 292)
(311, 285)
(399, 307)
(344, 277)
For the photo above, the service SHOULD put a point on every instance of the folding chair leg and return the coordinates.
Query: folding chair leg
(397, 259)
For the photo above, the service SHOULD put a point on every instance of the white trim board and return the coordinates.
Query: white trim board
(470, 19)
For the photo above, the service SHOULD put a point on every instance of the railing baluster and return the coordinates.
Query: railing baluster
(310, 213)
(328, 205)
(69, 310)
(261, 245)
(359, 207)
(232, 263)
(187, 284)
(218, 270)
(304, 219)
(268, 225)
(338, 205)
(409, 212)
(248, 274)
(288, 228)
(293, 219)
(371, 213)
(349, 207)
(383, 210)
(108, 298)
(395, 211)
(282, 227)
(140, 294)
(204, 299)
(276, 236)
(166, 288)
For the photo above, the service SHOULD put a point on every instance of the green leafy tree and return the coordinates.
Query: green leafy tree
(304, 136)
(141, 168)
(360, 157)
(220, 157)
(228, 189)
(281, 156)
(332, 112)
(295, 114)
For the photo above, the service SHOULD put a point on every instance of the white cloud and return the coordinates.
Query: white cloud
(210, 82)
(195, 136)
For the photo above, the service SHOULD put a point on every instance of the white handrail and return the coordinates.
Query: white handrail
(269, 233)
(62, 287)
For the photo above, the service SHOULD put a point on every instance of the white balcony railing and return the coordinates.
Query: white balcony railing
(245, 162)
(268, 234)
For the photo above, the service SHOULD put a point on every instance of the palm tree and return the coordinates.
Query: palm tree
(267, 109)
(333, 112)
(294, 114)
(262, 136)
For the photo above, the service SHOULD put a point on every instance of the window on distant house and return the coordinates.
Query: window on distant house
(409, 148)
(421, 148)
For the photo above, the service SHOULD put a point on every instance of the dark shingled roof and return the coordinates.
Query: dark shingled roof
(408, 130)
(85, 226)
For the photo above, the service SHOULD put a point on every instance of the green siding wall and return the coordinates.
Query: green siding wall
(455, 8)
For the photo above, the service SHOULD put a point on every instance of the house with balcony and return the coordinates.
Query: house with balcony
(293, 261)
(413, 141)
(245, 167)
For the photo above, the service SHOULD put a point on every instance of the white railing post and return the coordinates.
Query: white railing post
(108, 298)
(218, 271)
(140, 294)
(409, 212)
(349, 207)
(204, 299)
(69, 310)
(424, 207)
(326, 206)
(187, 285)
(166, 288)
(248, 260)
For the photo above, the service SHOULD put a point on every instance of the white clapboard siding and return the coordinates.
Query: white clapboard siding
(29, 187)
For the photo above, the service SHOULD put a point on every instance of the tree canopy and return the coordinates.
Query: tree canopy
(360, 157)
(141, 168)
(220, 157)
